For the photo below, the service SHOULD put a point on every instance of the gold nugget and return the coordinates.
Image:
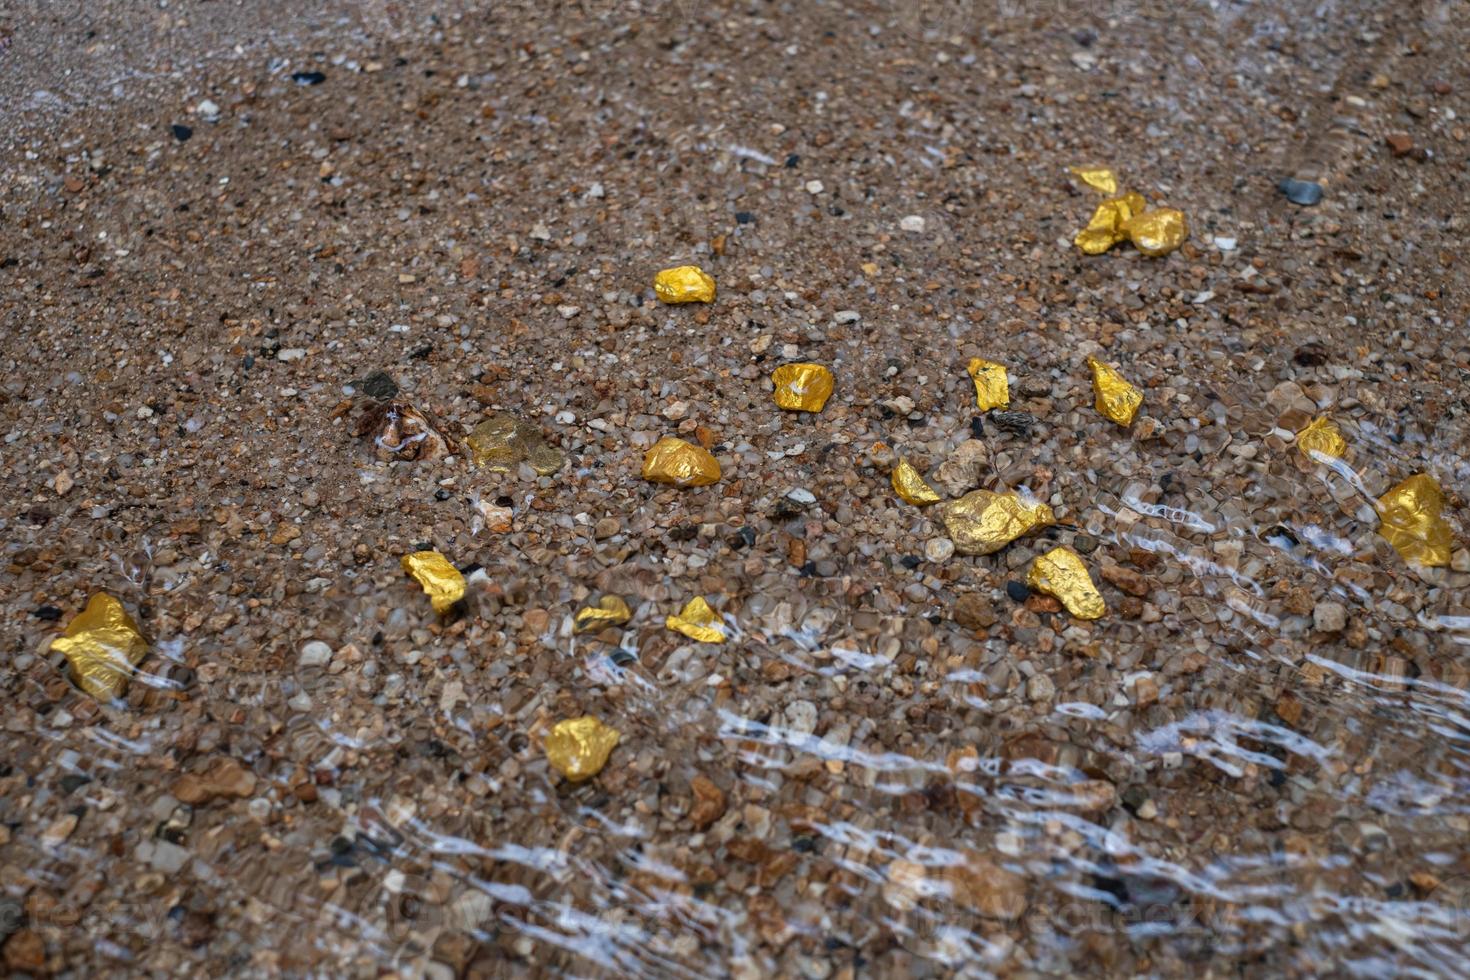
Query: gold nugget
(502, 441)
(102, 644)
(802, 387)
(1117, 400)
(1060, 573)
(910, 486)
(685, 284)
(1098, 178)
(1321, 439)
(1105, 229)
(578, 747)
(609, 611)
(981, 522)
(698, 622)
(440, 580)
(1413, 524)
(1157, 232)
(680, 464)
(992, 387)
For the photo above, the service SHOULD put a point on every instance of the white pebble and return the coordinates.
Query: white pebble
(846, 316)
(315, 654)
(1224, 244)
(814, 187)
(207, 111)
(803, 496)
(938, 549)
(913, 222)
(290, 354)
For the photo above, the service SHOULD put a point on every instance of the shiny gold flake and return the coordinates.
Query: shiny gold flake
(440, 580)
(802, 387)
(1412, 521)
(910, 485)
(698, 621)
(992, 387)
(982, 522)
(1060, 573)
(1322, 438)
(1105, 229)
(102, 644)
(609, 611)
(1117, 400)
(680, 464)
(685, 284)
(1157, 232)
(1098, 178)
(578, 748)
(502, 442)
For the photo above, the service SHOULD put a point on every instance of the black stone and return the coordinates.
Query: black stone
(744, 217)
(792, 161)
(379, 385)
(48, 614)
(308, 77)
(1018, 591)
(910, 561)
(182, 133)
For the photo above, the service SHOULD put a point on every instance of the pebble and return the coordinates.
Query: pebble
(973, 611)
(1225, 244)
(207, 111)
(1040, 688)
(802, 495)
(939, 549)
(290, 354)
(182, 132)
(1017, 591)
(308, 77)
(913, 222)
(814, 187)
(314, 654)
(1303, 192)
(1329, 616)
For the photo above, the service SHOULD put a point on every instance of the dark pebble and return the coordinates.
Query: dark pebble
(1303, 192)
(308, 77)
(977, 427)
(623, 658)
(792, 161)
(182, 133)
(1018, 591)
(743, 538)
(49, 614)
(379, 385)
(910, 561)
(1084, 544)
(72, 780)
(441, 495)
(744, 217)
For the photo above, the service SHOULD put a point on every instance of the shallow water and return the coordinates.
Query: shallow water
(1206, 785)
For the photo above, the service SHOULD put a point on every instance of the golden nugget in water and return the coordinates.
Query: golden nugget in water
(1098, 178)
(802, 387)
(440, 580)
(1061, 573)
(1105, 228)
(1412, 521)
(1321, 438)
(1117, 400)
(992, 387)
(578, 748)
(502, 441)
(610, 610)
(698, 621)
(680, 464)
(684, 284)
(1157, 232)
(102, 644)
(982, 522)
(910, 485)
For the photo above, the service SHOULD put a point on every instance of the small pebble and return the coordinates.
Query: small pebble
(913, 222)
(1303, 192)
(314, 654)
(182, 133)
(1017, 591)
(308, 77)
(1329, 616)
(207, 111)
(938, 549)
